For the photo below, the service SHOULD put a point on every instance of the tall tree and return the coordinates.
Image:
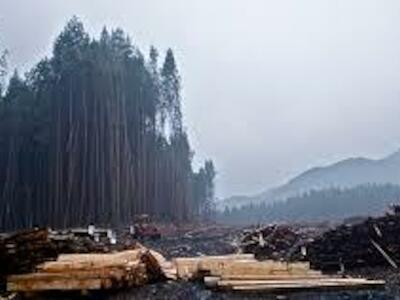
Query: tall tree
(82, 137)
(171, 86)
(3, 70)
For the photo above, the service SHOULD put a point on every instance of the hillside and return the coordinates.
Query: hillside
(328, 204)
(346, 173)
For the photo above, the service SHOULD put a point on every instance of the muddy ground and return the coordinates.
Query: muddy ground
(218, 240)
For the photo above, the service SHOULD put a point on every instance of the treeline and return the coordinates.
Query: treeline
(321, 205)
(94, 134)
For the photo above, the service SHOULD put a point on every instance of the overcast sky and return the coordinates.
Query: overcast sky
(271, 88)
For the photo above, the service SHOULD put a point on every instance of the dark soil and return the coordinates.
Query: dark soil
(217, 240)
(209, 240)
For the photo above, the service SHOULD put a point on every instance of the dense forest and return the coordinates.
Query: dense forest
(321, 205)
(94, 134)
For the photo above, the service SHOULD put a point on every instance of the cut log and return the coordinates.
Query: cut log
(265, 268)
(384, 254)
(48, 284)
(310, 275)
(123, 256)
(78, 280)
(91, 271)
(166, 268)
(191, 267)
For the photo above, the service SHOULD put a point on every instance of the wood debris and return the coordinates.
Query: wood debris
(370, 243)
(277, 241)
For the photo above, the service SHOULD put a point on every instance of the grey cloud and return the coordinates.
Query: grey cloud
(270, 87)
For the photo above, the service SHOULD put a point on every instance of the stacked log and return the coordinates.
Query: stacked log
(245, 273)
(372, 243)
(86, 272)
(22, 251)
(189, 268)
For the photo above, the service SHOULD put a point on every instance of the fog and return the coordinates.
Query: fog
(270, 88)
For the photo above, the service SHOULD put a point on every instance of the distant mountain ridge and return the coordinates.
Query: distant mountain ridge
(345, 173)
(331, 204)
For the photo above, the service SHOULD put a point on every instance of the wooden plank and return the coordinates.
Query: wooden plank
(189, 267)
(215, 267)
(56, 284)
(215, 258)
(245, 277)
(309, 274)
(265, 268)
(66, 266)
(291, 284)
(81, 279)
(307, 286)
(237, 265)
(75, 281)
(78, 262)
(305, 281)
(122, 256)
(78, 274)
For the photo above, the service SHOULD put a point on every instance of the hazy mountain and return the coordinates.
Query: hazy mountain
(331, 204)
(346, 173)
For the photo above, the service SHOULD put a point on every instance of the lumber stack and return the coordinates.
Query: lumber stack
(251, 275)
(196, 267)
(22, 251)
(87, 272)
(242, 272)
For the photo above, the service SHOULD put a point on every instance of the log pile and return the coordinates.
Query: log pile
(189, 268)
(22, 251)
(242, 272)
(86, 272)
(372, 243)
